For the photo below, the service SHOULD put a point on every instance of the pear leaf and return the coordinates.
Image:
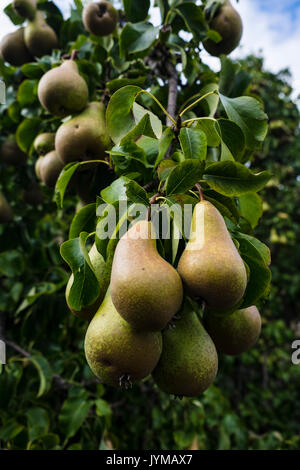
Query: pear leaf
(184, 176)
(63, 181)
(193, 143)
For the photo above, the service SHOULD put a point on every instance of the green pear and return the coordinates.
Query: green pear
(50, 168)
(228, 23)
(13, 48)
(11, 154)
(189, 361)
(210, 266)
(85, 136)
(116, 353)
(100, 18)
(6, 214)
(39, 37)
(25, 8)
(145, 289)
(102, 270)
(236, 333)
(62, 90)
(44, 143)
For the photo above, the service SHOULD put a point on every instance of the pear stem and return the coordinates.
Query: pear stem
(74, 54)
(200, 191)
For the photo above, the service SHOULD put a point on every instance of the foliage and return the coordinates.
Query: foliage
(49, 398)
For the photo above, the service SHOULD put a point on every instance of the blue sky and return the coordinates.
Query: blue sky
(270, 26)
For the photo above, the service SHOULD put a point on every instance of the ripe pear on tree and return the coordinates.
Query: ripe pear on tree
(100, 18)
(11, 154)
(39, 37)
(102, 271)
(118, 354)
(6, 214)
(236, 333)
(228, 23)
(13, 48)
(189, 361)
(25, 8)
(48, 168)
(211, 267)
(62, 91)
(84, 137)
(145, 289)
(44, 143)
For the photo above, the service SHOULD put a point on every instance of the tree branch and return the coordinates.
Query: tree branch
(173, 91)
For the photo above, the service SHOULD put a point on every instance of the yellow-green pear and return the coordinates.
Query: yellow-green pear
(211, 267)
(236, 333)
(228, 23)
(13, 48)
(49, 168)
(25, 8)
(189, 361)
(84, 137)
(6, 214)
(116, 353)
(62, 90)
(102, 271)
(11, 154)
(146, 290)
(44, 143)
(39, 37)
(100, 18)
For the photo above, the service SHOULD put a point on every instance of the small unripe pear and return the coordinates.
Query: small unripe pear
(100, 18)
(25, 8)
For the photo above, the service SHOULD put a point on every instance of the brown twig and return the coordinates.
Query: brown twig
(173, 91)
(200, 191)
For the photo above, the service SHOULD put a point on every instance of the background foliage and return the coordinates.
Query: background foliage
(48, 397)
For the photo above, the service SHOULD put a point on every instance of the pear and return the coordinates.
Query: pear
(102, 270)
(62, 91)
(6, 213)
(44, 143)
(116, 353)
(39, 37)
(100, 18)
(13, 48)
(25, 8)
(11, 154)
(50, 168)
(228, 23)
(236, 333)
(189, 361)
(85, 136)
(145, 289)
(210, 266)
(33, 195)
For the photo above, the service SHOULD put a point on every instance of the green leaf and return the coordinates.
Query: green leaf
(73, 413)
(251, 208)
(116, 191)
(27, 93)
(13, 16)
(102, 408)
(193, 143)
(118, 83)
(85, 288)
(27, 132)
(84, 221)
(248, 114)
(233, 179)
(119, 116)
(136, 10)
(165, 169)
(193, 17)
(63, 181)
(184, 177)
(38, 423)
(32, 70)
(137, 37)
(12, 263)
(45, 373)
(156, 125)
(164, 144)
(209, 127)
(136, 193)
(233, 140)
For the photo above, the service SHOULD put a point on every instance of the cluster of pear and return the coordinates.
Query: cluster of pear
(228, 23)
(143, 325)
(62, 91)
(35, 40)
